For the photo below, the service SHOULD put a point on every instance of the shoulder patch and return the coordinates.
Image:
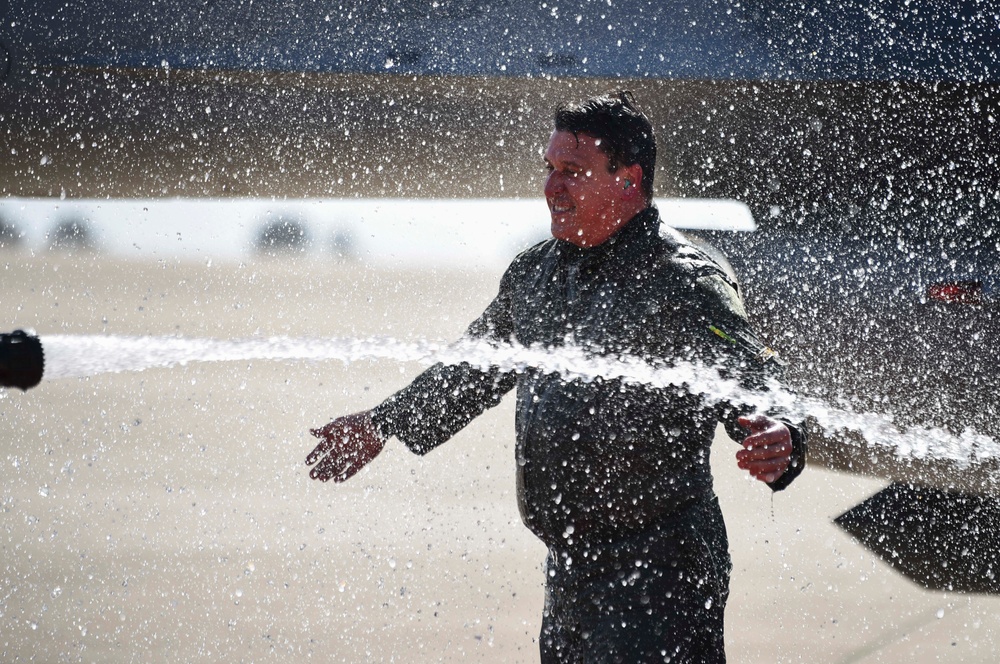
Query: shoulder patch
(762, 353)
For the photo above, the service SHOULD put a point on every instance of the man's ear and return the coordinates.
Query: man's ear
(631, 179)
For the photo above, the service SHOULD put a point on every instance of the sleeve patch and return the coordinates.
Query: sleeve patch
(722, 334)
(763, 356)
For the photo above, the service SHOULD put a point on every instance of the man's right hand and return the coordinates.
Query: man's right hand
(346, 446)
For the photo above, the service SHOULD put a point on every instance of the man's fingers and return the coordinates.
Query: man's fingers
(755, 423)
(753, 452)
(325, 430)
(777, 441)
(329, 436)
(315, 455)
(319, 451)
(764, 431)
(767, 451)
(757, 466)
(766, 455)
(330, 469)
(767, 478)
(767, 470)
(326, 469)
(347, 472)
(336, 464)
(756, 440)
(347, 444)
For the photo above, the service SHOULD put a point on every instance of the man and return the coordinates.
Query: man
(614, 477)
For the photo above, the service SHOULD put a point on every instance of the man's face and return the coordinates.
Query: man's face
(586, 200)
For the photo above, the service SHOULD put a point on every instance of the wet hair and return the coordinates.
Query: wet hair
(625, 132)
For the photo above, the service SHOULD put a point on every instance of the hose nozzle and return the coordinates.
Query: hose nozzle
(21, 360)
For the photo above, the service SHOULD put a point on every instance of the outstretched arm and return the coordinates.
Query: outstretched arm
(437, 404)
(446, 397)
(347, 445)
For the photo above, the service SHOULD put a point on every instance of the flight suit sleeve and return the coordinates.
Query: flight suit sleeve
(446, 397)
(723, 328)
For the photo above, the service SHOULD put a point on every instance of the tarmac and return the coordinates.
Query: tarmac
(167, 515)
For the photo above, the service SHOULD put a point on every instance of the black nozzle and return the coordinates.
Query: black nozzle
(21, 360)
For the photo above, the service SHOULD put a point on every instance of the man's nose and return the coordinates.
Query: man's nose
(554, 184)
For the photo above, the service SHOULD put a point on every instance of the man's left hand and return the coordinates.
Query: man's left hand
(767, 450)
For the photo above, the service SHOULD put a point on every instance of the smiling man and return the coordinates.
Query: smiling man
(583, 196)
(612, 476)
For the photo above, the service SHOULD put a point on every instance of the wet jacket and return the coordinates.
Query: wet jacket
(599, 460)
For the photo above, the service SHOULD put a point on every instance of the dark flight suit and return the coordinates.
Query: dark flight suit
(613, 476)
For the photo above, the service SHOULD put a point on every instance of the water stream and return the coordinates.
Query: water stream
(68, 356)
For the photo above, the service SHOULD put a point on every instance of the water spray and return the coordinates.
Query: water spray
(967, 455)
(22, 361)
